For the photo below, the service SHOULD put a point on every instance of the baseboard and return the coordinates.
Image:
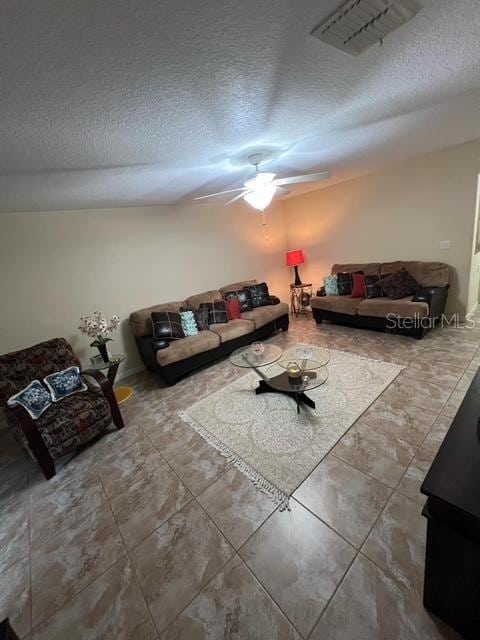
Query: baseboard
(129, 372)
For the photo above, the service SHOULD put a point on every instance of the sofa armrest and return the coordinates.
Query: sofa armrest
(435, 297)
(159, 344)
(274, 300)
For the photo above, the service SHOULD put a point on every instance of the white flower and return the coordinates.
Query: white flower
(97, 325)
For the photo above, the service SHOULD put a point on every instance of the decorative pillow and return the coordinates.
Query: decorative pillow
(167, 325)
(358, 287)
(345, 283)
(372, 288)
(274, 300)
(259, 294)
(331, 285)
(35, 399)
(233, 308)
(244, 296)
(64, 383)
(399, 285)
(217, 311)
(189, 325)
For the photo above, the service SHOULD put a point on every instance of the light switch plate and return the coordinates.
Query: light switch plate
(444, 244)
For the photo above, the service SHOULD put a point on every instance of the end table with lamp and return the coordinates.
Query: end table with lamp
(300, 293)
(122, 394)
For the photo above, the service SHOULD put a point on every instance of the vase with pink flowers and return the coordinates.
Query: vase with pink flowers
(98, 327)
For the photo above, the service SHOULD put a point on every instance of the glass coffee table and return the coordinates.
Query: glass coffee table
(297, 372)
(294, 381)
(245, 356)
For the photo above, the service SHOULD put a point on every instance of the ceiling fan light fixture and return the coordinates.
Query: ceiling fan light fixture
(260, 180)
(260, 196)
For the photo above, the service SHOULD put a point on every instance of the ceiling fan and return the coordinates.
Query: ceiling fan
(259, 191)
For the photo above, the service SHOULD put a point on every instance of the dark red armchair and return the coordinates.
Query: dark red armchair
(67, 424)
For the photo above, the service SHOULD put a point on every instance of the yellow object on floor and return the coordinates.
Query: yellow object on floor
(122, 394)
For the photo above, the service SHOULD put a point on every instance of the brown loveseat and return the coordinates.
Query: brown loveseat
(413, 315)
(187, 354)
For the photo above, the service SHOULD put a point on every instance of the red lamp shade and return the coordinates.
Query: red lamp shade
(295, 258)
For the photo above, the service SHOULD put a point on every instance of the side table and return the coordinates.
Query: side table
(300, 296)
(122, 394)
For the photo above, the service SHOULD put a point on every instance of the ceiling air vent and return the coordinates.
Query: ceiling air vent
(359, 24)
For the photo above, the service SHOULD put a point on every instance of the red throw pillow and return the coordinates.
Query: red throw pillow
(233, 308)
(358, 286)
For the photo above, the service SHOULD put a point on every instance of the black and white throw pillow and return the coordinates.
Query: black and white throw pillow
(345, 283)
(259, 295)
(217, 311)
(167, 325)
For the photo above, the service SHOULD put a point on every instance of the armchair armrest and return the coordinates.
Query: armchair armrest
(107, 390)
(435, 297)
(37, 446)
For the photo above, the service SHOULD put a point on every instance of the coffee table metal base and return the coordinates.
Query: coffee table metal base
(298, 396)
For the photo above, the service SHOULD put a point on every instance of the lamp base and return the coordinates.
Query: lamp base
(298, 282)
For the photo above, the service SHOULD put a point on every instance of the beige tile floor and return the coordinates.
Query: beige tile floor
(149, 533)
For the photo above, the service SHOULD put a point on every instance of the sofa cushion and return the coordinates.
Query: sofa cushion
(217, 311)
(372, 288)
(381, 307)
(233, 329)
(331, 285)
(236, 286)
(141, 320)
(399, 285)
(233, 309)
(167, 325)
(193, 302)
(259, 294)
(369, 268)
(188, 347)
(427, 274)
(243, 296)
(263, 315)
(337, 304)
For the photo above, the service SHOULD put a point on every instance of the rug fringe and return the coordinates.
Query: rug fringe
(278, 496)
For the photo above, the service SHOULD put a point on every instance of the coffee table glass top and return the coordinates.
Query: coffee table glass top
(307, 352)
(245, 357)
(312, 375)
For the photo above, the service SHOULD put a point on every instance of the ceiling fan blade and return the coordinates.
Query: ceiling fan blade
(240, 195)
(219, 193)
(309, 177)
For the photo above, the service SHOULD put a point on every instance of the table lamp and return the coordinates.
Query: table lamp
(294, 258)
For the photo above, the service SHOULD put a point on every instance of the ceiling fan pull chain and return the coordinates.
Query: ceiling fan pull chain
(264, 225)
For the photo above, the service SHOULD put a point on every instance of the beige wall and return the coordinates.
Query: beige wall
(55, 267)
(400, 213)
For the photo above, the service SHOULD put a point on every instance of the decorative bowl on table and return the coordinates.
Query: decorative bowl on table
(257, 348)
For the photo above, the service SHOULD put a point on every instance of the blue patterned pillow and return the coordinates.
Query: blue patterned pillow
(35, 399)
(331, 285)
(64, 383)
(189, 325)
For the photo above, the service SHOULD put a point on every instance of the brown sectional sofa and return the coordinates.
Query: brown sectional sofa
(418, 313)
(186, 355)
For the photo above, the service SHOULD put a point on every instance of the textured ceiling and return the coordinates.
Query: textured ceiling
(125, 102)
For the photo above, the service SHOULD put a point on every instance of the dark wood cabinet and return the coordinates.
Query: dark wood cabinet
(452, 487)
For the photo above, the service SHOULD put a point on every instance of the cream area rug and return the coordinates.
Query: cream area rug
(268, 441)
